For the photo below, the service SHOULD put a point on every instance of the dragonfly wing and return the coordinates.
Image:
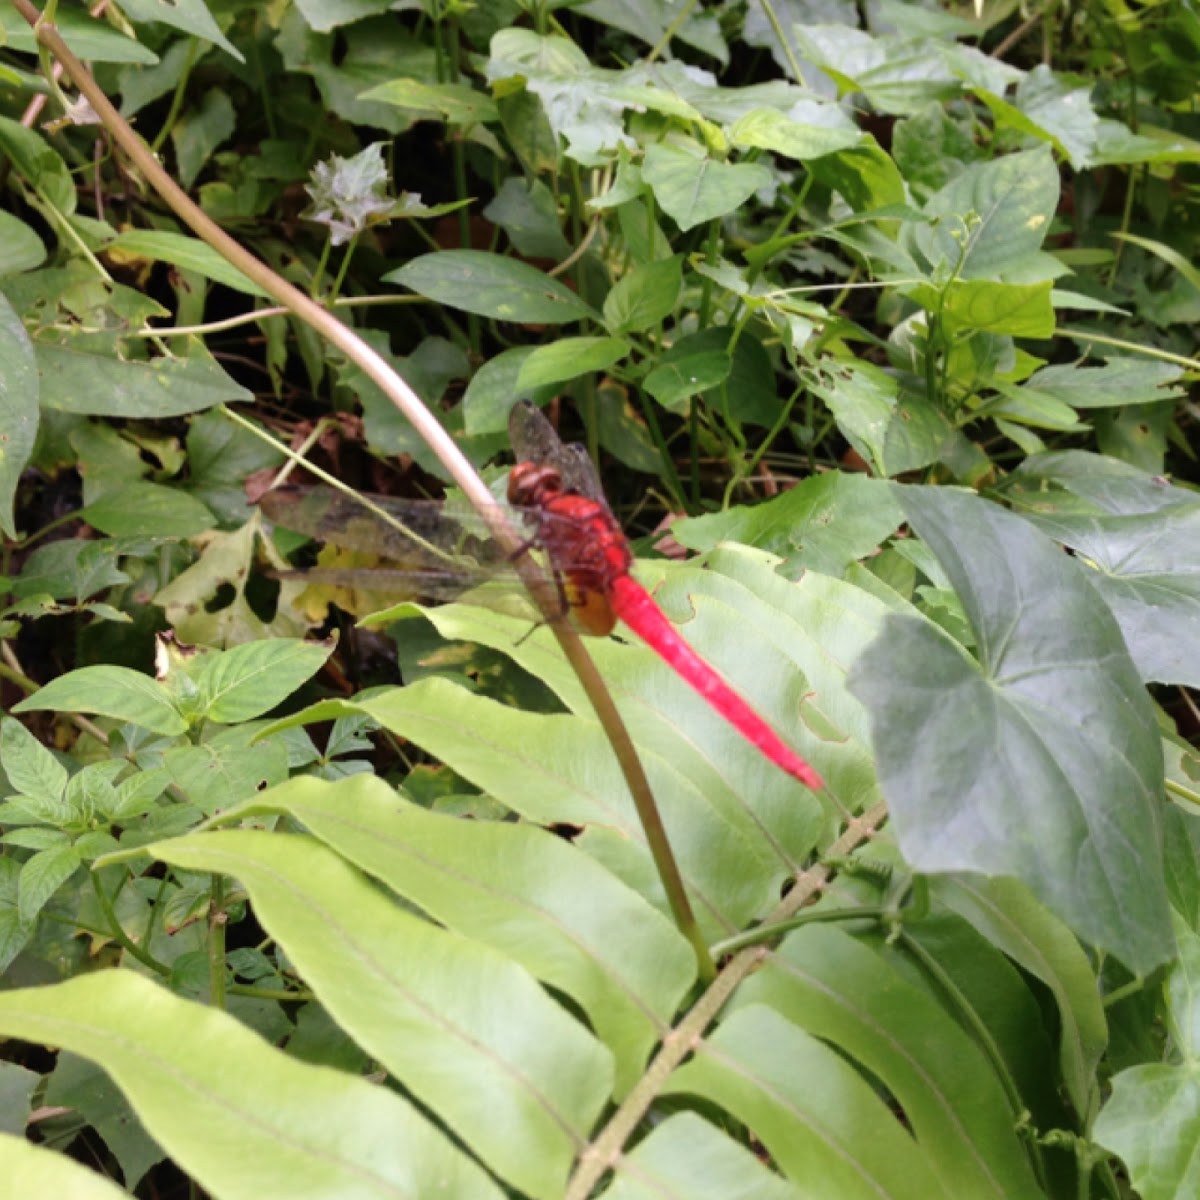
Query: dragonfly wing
(535, 440)
(419, 535)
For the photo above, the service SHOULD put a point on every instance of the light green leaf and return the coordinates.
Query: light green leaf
(249, 680)
(995, 766)
(89, 39)
(189, 253)
(841, 991)
(894, 433)
(568, 358)
(825, 523)
(240, 1117)
(455, 103)
(42, 875)
(190, 16)
(110, 691)
(808, 1106)
(1152, 1120)
(770, 129)
(427, 1003)
(692, 188)
(18, 408)
(864, 174)
(102, 385)
(685, 1156)
(992, 214)
(1016, 309)
(20, 247)
(32, 1170)
(643, 297)
(40, 164)
(31, 769)
(518, 889)
(226, 768)
(148, 510)
(491, 285)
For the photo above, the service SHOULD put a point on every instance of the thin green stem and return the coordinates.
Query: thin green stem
(177, 98)
(817, 916)
(216, 943)
(786, 46)
(685, 11)
(121, 937)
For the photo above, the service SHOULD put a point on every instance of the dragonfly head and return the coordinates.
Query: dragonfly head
(531, 484)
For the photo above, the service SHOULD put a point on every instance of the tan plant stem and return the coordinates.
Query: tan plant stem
(605, 1151)
(430, 429)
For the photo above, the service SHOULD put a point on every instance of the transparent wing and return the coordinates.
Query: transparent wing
(534, 440)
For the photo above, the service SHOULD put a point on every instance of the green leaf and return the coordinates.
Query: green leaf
(190, 16)
(692, 188)
(1119, 382)
(14, 932)
(1145, 567)
(1047, 744)
(808, 1106)
(992, 215)
(825, 523)
(1151, 1121)
(200, 129)
(516, 888)
(111, 691)
(1017, 309)
(18, 409)
(42, 875)
(249, 680)
(455, 103)
(1050, 110)
(839, 990)
(645, 296)
(20, 247)
(685, 1156)
(32, 1170)
(783, 133)
(201, 1083)
(493, 391)
(227, 768)
(91, 40)
(674, 382)
(491, 285)
(522, 1093)
(528, 212)
(31, 769)
(148, 510)
(864, 174)
(83, 1087)
(893, 432)
(102, 385)
(568, 358)
(1013, 921)
(40, 164)
(189, 253)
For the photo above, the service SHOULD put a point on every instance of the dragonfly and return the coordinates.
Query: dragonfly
(556, 497)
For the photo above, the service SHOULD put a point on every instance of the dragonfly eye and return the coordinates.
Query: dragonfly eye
(533, 484)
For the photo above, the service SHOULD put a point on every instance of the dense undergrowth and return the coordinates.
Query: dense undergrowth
(888, 311)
